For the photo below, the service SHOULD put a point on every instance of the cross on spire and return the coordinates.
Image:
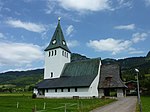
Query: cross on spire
(59, 18)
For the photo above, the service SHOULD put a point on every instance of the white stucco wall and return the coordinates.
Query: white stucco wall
(55, 63)
(120, 93)
(94, 86)
(81, 92)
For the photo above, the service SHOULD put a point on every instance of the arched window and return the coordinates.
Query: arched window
(49, 53)
(67, 55)
(76, 89)
(51, 74)
(52, 53)
(55, 52)
(68, 89)
(55, 90)
(63, 53)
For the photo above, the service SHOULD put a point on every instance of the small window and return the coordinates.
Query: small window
(55, 90)
(62, 90)
(63, 53)
(108, 78)
(51, 74)
(67, 55)
(55, 52)
(68, 89)
(75, 89)
(47, 90)
(49, 53)
(52, 53)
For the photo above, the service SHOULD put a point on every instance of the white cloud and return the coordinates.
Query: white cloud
(66, 15)
(85, 5)
(26, 25)
(7, 9)
(125, 27)
(139, 37)
(1, 5)
(50, 6)
(124, 3)
(72, 43)
(19, 53)
(112, 45)
(17, 13)
(69, 30)
(136, 52)
(147, 2)
(2, 35)
(91, 5)
(116, 46)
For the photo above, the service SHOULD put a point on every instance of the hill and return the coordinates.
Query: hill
(21, 78)
(128, 66)
(128, 73)
(31, 77)
(28, 78)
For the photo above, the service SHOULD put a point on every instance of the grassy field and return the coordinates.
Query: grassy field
(145, 104)
(9, 103)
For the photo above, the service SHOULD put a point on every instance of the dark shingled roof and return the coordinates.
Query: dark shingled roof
(74, 74)
(110, 76)
(65, 82)
(59, 38)
(88, 67)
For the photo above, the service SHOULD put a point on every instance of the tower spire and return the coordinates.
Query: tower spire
(58, 40)
(57, 54)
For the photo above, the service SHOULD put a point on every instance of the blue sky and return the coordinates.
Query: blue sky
(94, 28)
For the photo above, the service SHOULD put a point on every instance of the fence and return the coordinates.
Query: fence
(45, 107)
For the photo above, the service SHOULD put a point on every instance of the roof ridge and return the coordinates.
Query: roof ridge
(84, 60)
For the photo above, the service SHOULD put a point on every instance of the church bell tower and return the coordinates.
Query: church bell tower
(56, 54)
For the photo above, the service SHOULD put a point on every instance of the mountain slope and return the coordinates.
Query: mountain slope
(31, 77)
(21, 78)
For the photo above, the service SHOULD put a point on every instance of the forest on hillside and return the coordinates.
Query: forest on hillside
(25, 80)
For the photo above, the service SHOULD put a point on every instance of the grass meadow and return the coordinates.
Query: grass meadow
(24, 103)
(145, 101)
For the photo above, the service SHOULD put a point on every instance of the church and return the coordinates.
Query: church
(83, 78)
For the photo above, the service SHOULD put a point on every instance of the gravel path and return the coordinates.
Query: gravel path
(127, 104)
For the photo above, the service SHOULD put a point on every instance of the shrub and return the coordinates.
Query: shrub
(34, 95)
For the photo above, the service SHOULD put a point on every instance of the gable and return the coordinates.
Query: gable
(110, 76)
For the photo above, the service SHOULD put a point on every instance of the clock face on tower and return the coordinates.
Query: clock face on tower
(54, 42)
(64, 43)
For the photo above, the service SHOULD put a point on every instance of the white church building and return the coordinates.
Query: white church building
(82, 78)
